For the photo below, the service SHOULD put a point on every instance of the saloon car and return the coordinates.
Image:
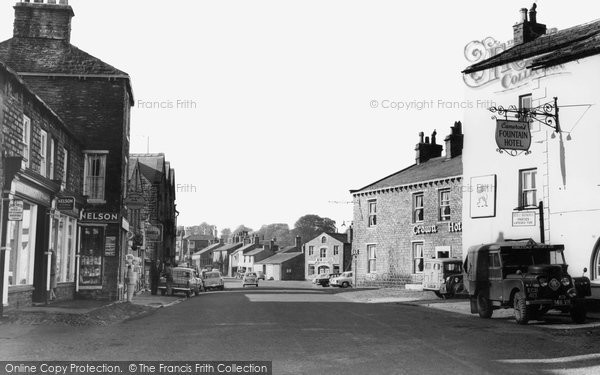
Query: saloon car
(182, 280)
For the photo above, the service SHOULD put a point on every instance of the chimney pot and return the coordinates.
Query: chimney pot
(433, 137)
(533, 13)
(421, 134)
(523, 12)
(426, 140)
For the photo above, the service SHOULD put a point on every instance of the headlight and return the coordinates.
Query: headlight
(565, 281)
(543, 281)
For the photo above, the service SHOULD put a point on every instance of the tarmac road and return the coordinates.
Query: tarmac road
(309, 330)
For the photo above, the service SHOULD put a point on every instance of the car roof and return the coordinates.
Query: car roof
(513, 244)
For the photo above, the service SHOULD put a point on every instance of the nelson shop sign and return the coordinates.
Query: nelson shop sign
(100, 217)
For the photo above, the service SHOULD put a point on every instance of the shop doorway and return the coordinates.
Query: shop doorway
(40, 274)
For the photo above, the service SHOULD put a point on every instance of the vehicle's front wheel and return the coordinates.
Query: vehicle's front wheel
(345, 284)
(578, 312)
(484, 306)
(440, 295)
(522, 313)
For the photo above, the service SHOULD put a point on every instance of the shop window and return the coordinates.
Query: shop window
(26, 139)
(43, 152)
(444, 205)
(323, 252)
(65, 173)
(417, 248)
(95, 174)
(21, 242)
(336, 249)
(51, 157)
(372, 213)
(92, 246)
(527, 188)
(418, 208)
(372, 258)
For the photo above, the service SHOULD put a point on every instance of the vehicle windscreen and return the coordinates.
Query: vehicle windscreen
(532, 257)
(453, 267)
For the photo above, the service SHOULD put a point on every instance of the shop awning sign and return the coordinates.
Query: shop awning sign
(135, 201)
(15, 210)
(65, 203)
(154, 232)
(513, 135)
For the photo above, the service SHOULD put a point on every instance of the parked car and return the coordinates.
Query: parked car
(344, 280)
(443, 276)
(250, 278)
(324, 280)
(213, 280)
(321, 278)
(532, 278)
(184, 280)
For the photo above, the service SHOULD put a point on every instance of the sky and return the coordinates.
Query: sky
(269, 110)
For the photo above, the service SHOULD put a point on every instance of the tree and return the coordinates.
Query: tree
(310, 226)
(242, 228)
(281, 232)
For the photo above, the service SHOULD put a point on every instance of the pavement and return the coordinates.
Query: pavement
(552, 320)
(81, 312)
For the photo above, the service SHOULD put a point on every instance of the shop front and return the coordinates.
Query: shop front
(99, 255)
(26, 232)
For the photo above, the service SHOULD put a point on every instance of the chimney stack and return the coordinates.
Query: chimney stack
(298, 243)
(454, 141)
(426, 150)
(528, 30)
(43, 19)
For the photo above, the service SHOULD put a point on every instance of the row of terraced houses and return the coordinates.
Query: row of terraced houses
(68, 181)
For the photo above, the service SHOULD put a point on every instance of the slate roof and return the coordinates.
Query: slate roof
(342, 237)
(279, 258)
(230, 246)
(432, 169)
(246, 248)
(152, 166)
(256, 251)
(551, 49)
(199, 237)
(288, 249)
(41, 55)
(207, 249)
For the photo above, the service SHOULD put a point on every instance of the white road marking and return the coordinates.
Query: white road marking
(574, 358)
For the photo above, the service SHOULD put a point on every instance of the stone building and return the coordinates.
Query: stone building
(93, 99)
(410, 215)
(327, 253)
(152, 178)
(41, 184)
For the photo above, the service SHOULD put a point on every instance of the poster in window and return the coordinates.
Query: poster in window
(483, 196)
(110, 246)
(90, 260)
